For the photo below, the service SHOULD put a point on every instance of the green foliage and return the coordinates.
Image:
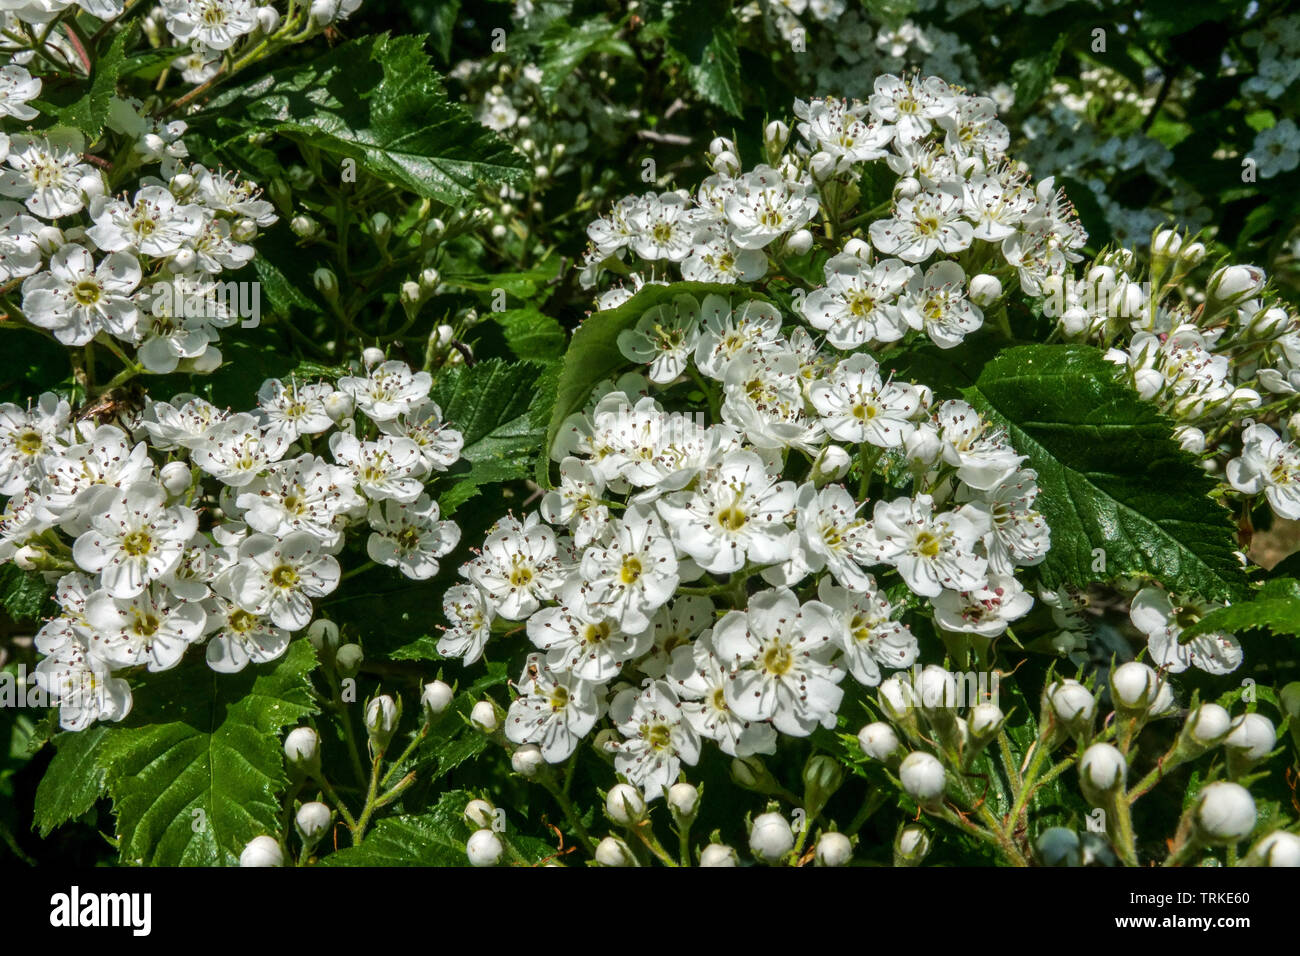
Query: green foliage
(1275, 607)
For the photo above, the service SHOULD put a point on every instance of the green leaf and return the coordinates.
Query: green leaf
(564, 46)
(702, 38)
(1275, 607)
(436, 838)
(73, 781)
(532, 335)
(1110, 475)
(201, 771)
(90, 113)
(1033, 73)
(24, 594)
(378, 101)
(593, 354)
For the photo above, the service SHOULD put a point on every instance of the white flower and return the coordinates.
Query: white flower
(580, 642)
(48, 176)
(83, 688)
(238, 637)
(75, 299)
(294, 410)
(279, 577)
(135, 540)
(868, 635)
(215, 24)
(924, 224)
(387, 390)
(632, 574)
(76, 478)
(440, 444)
(19, 253)
(931, 552)
(1153, 613)
(17, 87)
(302, 494)
(753, 326)
(1019, 535)
(737, 513)
(385, 468)
(977, 449)
(153, 627)
(855, 405)
(576, 501)
(664, 337)
(1271, 465)
(28, 437)
(674, 624)
(911, 104)
(410, 537)
(700, 679)
(766, 205)
(1277, 149)
(237, 450)
(781, 655)
(663, 227)
(518, 567)
(182, 423)
(154, 224)
(937, 303)
(471, 623)
(985, 611)
(716, 258)
(841, 130)
(658, 738)
(859, 302)
(830, 534)
(554, 710)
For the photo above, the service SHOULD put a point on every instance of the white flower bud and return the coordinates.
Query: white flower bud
(718, 854)
(312, 821)
(1166, 243)
(1190, 438)
(822, 165)
(720, 144)
(484, 716)
(1075, 320)
(527, 760)
(878, 740)
(907, 187)
(1133, 686)
(770, 838)
(833, 849)
(797, 243)
(858, 248)
(480, 813)
(182, 185)
(1193, 253)
(624, 804)
(683, 799)
(1279, 848)
(1073, 705)
(923, 777)
(726, 163)
(912, 844)
(338, 406)
(326, 282)
(1058, 846)
(182, 260)
(936, 689)
(429, 279)
(1225, 812)
(372, 356)
(984, 721)
(304, 226)
(1234, 283)
(268, 19)
(1102, 771)
(484, 848)
(28, 557)
(175, 477)
(381, 720)
(381, 227)
(323, 634)
(244, 230)
(895, 698)
(411, 293)
(302, 749)
(1252, 738)
(1209, 724)
(775, 135)
(612, 851)
(985, 289)
(832, 464)
(436, 697)
(262, 851)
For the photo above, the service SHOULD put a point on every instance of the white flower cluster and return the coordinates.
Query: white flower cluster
(958, 201)
(639, 562)
(163, 561)
(142, 268)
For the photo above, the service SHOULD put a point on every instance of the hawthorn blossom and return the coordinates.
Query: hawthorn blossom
(554, 710)
(657, 737)
(279, 577)
(135, 540)
(409, 536)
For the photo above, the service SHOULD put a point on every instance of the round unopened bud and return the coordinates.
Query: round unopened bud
(429, 279)
(923, 446)
(244, 230)
(484, 716)
(304, 226)
(312, 821)
(726, 164)
(798, 242)
(683, 799)
(338, 406)
(268, 19)
(718, 854)
(878, 740)
(832, 464)
(1190, 438)
(1075, 320)
(775, 135)
(326, 282)
(912, 845)
(372, 356)
(1225, 812)
(1133, 686)
(984, 721)
(822, 165)
(612, 851)
(1252, 739)
(770, 838)
(1279, 848)
(624, 804)
(527, 760)
(923, 777)
(1235, 283)
(720, 144)
(1193, 253)
(985, 289)
(1102, 771)
(822, 776)
(302, 749)
(484, 848)
(262, 851)
(833, 849)
(936, 689)
(324, 635)
(1166, 244)
(1073, 705)
(182, 185)
(175, 477)
(480, 813)
(381, 720)
(411, 293)
(896, 699)
(182, 260)
(381, 227)
(1058, 846)
(348, 659)
(858, 248)
(907, 187)
(436, 697)
(1208, 725)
